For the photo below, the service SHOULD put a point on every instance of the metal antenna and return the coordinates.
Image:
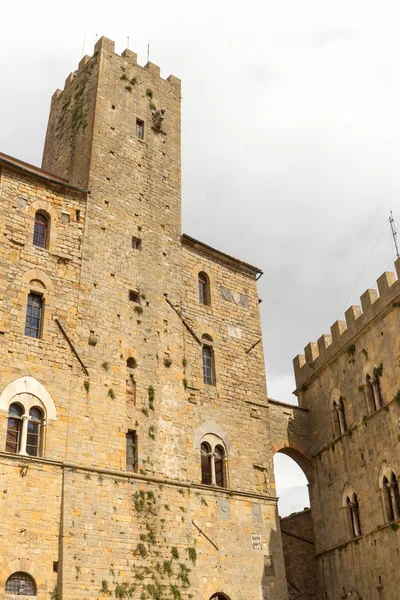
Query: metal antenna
(127, 41)
(83, 45)
(394, 233)
(148, 52)
(97, 27)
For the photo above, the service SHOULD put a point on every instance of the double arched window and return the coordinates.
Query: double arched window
(213, 462)
(25, 427)
(204, 289)
(20, 584)
(351, 503)
(219, 596)
(41, 232)
(208, 360)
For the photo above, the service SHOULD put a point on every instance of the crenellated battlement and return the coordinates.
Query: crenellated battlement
(373, 302)
(107, 46)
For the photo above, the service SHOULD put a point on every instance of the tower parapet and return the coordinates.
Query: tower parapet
(343, 333)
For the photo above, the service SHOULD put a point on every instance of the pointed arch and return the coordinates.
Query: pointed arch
(28, 385)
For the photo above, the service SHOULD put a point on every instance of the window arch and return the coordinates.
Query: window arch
(204, 288)
(338, 407)
(20, 584)
(25, 426)
(219, 596)
(41, 232)
(208, 360)
(391, 496)
(34, 315)
(372, 380)
(213, 461)
(131, 365)
(351, 503)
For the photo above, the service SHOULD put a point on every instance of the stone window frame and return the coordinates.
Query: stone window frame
(204, 286)
(28, 393)
(21, 575)
(42, 222)
(213, 442)
(352, 505)
(208, 360)
(37, 282)
(373, 389)
(47, 209)
(34, 304)
(390, 493)
(140, 123)
(339, 413)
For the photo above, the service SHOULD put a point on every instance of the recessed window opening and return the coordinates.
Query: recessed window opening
(340, 414)
(204, 289)
(134, 296)
(352, 505)
(139, 129)
(34, 315)
(24, 430)
(136, 243)
(41, 230)
(205, 451)
(20, 584)
(208, 360)
(77, 215)
(374, 392)
(14, 427)
(213, 462)
(392, 497)
(131, 451)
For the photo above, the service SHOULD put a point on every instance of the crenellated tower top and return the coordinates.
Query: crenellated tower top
(343, 333)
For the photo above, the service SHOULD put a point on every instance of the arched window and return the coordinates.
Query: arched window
(20, 584)
(374, 392)
(41, 230)
(352, 505)
(213, 461)
(219, 459)
(391, 487)
(131, 381)
(208, 360)
(219, 597)
(25, 426)
(14, 428)
(34, 315)
(34, 430)
(340, 414)
(205, 450)
(204, 289)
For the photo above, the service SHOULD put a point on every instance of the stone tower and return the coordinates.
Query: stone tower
(153, 470)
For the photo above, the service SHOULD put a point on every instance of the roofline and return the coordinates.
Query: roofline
(20, 165)
(286, 404)
(187, 239)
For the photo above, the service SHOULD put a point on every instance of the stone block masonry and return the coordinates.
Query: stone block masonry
(121, 352)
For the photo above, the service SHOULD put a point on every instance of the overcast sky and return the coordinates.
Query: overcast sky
(291, 140)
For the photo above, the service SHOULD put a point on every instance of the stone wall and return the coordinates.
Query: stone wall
(299, 552)
(355, 458)
(130, 359)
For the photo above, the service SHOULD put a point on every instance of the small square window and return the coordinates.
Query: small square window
(136, 243)
(134, 296)
(139, 129)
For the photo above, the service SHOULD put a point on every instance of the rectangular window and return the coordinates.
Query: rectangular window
(131, 451)
(208, 365)
(139, 129)
(34, 315)
(136, 243)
